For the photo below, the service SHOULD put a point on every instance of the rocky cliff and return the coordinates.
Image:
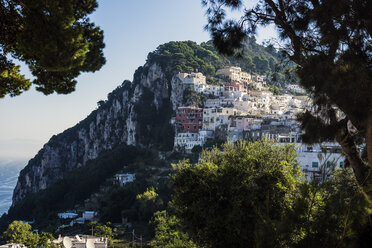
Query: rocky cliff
(136, 113)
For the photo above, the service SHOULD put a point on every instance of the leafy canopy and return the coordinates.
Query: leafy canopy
(252, 195)
(20, 233)
(237, 197)
(331, 43)
(55, 39)
(167, 232)
(100, 230)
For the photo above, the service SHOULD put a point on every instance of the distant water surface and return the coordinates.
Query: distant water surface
(9, 171)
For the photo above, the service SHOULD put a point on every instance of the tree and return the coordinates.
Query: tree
(275, 90)
(330, 41)
(262, 64)
(238, 197)
(55, 39)
(336, 215)
(148, 203)
(45, 240)
(104, 231)
(167, 232)
(252, 195)
(18, 232)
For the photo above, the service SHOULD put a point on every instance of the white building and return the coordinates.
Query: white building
(81, 241)
(245, 77)
(235, 94)
(67, 215)
(213, 117)
(234, 73)
(197, 77)
(319, 158)
(89, 215)
(125, 178)
(13, 245)
(186, 141)
(230, 72)
(258, 78)
(204, 135)
(296, 88)
(215, 90)
(213, 103)
(195, 81)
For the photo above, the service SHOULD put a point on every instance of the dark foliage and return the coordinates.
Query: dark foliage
(76, 186)
(330, 41)
(55, 39)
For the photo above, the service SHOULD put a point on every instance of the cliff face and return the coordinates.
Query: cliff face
(136, 113)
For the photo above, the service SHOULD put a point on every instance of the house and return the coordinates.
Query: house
(13, 245)
(213, 117)
(191, 78)
(214, 90)
(230, 73)
(235, 135)
(296, 88)
(258, 78)
(194, 81)
(125, 178)
(81, 241)
(213, 103)
(234, 86)
(67, 215)
(241, 123)
(319, 158)
(245, 78)
(89, 215)
(254, 93)
(79, 220)
(186, 141)
(204, 135)
(235, 94)
(189, 119)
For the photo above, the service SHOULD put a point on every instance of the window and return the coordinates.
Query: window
(328, 164)
(341, 164)
(315, 164)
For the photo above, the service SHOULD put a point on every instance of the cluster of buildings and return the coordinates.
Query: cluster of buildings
(241, 106)
(13, 245)
(77, 241)
(81, 241)
(87, 216)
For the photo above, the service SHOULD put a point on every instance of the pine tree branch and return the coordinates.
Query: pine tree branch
(361, 170)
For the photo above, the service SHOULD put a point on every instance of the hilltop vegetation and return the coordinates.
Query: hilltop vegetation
(188, 56)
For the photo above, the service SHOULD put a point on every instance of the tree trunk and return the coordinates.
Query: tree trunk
(368, 185)
(361, 170)
(369, 140)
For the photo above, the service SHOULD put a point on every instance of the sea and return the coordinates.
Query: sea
(9, 171)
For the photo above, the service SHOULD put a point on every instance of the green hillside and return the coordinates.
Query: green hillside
(188, 56)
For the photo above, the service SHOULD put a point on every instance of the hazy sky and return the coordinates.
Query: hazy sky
(132, 29)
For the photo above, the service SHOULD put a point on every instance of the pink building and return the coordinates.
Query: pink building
(240, 123)
(189, 119)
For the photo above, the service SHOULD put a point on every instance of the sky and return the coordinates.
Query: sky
(132, 29)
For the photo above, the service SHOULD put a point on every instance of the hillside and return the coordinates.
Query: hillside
(134, 118)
